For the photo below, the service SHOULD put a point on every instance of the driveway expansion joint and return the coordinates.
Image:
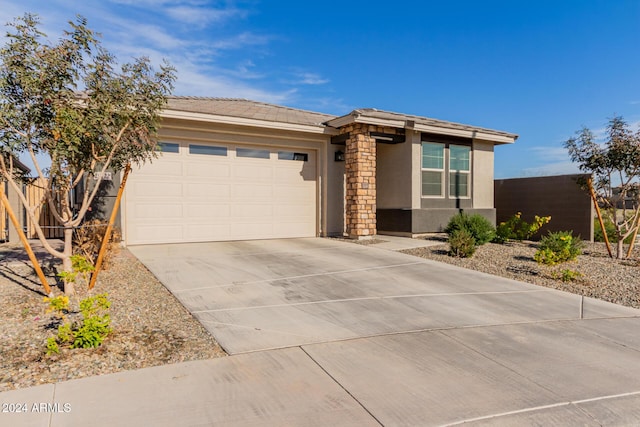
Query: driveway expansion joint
(341, 386)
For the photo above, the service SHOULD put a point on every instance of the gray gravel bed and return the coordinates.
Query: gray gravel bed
(617, 281)
(150, 326)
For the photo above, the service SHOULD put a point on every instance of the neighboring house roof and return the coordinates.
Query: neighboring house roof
(246, 112)
(24, 169)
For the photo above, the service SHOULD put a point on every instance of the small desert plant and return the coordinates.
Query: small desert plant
(95, 322)
(515, 228)
(610, 228)
(568, 275)
(558, 247)
(461, 244)
(478, 226)
(88, 332)
(94, 326)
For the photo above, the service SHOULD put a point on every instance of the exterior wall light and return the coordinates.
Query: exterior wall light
(339, 156)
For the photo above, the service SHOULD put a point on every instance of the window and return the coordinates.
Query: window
(432, 169)
(459, 171)
(168, 147)
(250, 152)
(208, 150)
(289, 155)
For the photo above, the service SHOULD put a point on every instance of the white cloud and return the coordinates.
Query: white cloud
(556, 168)
(553, 153)
(310, 79)
(193, 82)
(216, 62)
(202, 16)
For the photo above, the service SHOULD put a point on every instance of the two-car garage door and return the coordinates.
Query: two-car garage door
(213, 192)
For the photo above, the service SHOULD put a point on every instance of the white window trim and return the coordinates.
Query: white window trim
(468, 173)
(442, 171)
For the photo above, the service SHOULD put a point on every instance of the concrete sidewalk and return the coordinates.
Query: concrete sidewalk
(332, 333)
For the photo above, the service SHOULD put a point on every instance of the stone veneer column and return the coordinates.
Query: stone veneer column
(360, 171)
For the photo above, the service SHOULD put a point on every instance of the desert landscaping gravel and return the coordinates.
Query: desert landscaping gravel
(601, 277)
(150, 327)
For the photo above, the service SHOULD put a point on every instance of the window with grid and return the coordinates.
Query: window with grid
(432, 169)
(459, 171)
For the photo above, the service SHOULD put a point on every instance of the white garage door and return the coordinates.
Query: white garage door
(212, 192)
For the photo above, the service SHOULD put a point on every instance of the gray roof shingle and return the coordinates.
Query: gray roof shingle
(247, 109)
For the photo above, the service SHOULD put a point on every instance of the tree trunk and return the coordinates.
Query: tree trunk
(66, 261)
(619, 248)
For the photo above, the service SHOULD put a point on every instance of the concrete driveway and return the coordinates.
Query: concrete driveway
(323, 333)
(415, 342)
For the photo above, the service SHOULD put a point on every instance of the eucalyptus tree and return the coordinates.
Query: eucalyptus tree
(71, 102)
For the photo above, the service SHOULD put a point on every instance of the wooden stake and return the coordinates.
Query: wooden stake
(25, 242)
(107, 234)
(633, 239)
(592, 192)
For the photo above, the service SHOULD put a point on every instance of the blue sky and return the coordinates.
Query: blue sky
(539, 69)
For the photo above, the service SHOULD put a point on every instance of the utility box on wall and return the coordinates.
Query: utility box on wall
(105, 198)
(569, 206)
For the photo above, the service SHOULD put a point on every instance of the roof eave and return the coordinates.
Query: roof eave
(484, 134)
(497, 138)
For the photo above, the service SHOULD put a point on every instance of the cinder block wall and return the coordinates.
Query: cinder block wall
(560, 196)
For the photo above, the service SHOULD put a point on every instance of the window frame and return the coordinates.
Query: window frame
(442, 171)
(208, 150)
(162, 144)
(246, 153)
(467, 172)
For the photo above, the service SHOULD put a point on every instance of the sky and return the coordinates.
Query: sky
(540, 69)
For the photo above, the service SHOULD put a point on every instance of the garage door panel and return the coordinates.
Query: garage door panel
(205, 232)
(208, 211)
(208, 190)
(149, 233)
(157, 190)
(293, 211)
(290, 192)
(158, 210)
(194, 198)
(254, 212)
(293, 229)
(161, 167)
(245, 231)
(252, 191)
(254, 171)
(211, 170)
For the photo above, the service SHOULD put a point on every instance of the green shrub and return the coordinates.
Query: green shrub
(610, 228)
(569, 275)
(558, 247)
(461, 244)
(88, 332)
(515, 228)
(478, 226)
(95, 322)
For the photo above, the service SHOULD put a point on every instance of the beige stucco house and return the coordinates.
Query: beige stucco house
(234, 169)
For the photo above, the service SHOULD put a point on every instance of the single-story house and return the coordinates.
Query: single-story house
(234, 169)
